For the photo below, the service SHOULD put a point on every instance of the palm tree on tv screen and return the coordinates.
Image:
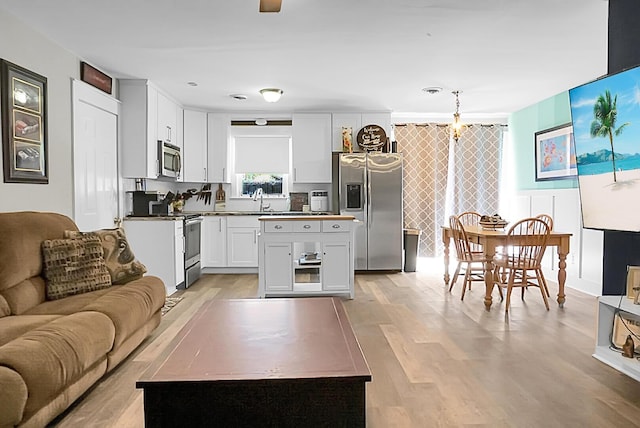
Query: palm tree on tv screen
(605, 114)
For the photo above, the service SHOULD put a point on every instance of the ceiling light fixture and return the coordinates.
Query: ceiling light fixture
(271, 95)
(456, 126)
(261, 121)
(432, 90)
(239, 97)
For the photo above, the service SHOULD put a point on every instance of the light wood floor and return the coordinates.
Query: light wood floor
(436, 361)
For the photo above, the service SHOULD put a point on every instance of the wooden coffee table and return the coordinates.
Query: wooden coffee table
(264, 362)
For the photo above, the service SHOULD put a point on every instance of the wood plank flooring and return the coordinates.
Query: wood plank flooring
(436, 361)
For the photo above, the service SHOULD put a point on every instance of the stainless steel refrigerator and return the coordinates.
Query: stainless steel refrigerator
(369, 187)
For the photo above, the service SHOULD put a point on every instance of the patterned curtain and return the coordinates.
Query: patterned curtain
(425, 151)
(474, 175)
(442, 177)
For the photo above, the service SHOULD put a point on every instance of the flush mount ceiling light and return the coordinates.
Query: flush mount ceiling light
(456, 126)
(192, 83)
(239, 97)
(261, 122)
(271, 95)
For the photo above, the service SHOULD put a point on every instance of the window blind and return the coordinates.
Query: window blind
(262, 154)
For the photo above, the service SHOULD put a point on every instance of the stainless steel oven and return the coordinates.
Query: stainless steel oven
(192, 238)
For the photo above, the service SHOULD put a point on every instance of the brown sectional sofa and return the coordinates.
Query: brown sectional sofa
(51, 352)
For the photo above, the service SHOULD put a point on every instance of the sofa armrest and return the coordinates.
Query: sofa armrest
(13, 397)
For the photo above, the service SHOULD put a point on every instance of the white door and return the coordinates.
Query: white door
(242, 249)
(214, 242)
(278, 269)
(95, 157)
(335, 266)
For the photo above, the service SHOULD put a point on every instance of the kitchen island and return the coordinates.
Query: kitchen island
(305, 255)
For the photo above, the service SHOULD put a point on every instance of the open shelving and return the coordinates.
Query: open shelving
(607, 306)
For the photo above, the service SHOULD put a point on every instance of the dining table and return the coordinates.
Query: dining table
(491, 239)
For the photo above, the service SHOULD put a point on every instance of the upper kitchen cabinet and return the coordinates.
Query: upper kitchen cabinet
(167, 120)
(194, 152)
(311, 147)
(147, 117)
(218, 155)
(357, 121)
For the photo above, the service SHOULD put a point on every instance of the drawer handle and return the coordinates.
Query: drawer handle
(307, 226)
(277, 226)
(336, 226)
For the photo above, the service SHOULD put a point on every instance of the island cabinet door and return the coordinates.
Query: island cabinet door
(278, 267)
(335, 266)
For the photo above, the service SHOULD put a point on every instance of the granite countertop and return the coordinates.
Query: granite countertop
(305, 217)
(279, 214)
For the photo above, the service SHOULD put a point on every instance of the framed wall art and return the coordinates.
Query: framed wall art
(24, 124)
(95, 77)
(555, 154)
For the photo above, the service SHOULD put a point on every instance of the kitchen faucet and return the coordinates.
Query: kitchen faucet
(259, 193)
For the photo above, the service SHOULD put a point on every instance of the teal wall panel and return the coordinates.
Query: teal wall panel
(523, 125)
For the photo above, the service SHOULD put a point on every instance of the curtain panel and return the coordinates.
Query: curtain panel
(442, 177)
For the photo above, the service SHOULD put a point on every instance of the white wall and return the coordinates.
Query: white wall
(25, 47)
(584, 262)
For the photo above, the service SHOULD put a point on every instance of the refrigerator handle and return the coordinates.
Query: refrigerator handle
(367, 192)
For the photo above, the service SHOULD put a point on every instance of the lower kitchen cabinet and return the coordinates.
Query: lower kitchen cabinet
(242, 247)
(214, 242)
(159, 245)
(278, 266)
(310, 255)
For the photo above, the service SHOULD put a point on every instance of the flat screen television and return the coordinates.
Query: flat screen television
(605, 115)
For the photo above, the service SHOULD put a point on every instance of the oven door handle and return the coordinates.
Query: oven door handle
(191, 221)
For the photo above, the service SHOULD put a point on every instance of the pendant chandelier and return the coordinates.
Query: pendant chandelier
(456, 126)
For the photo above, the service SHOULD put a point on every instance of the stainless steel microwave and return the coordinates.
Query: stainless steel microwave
(169, 160)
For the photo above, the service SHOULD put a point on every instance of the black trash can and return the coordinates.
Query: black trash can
(411, 238)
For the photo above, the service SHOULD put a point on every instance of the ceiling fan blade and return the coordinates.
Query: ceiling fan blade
(270, 5)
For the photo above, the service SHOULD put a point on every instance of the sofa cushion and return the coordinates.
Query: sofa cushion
(69, 305)
(13, 327)
(21, 235)
(121, 262)
(53, 356)
(5, 309)
(25, 295)
(74, 266)
(130, 306)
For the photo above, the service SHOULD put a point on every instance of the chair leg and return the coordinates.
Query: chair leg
(497, 282)
(467, 280)
(455, 276)
(511, 280)
(542, 290)
(544, 282)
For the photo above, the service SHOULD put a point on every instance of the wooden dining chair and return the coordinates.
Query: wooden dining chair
(525, 246)
(472, 262)
(549, 220)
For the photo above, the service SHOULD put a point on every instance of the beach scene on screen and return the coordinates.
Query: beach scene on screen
(606, 125)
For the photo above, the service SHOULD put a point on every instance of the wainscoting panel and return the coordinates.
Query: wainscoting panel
(584, 262)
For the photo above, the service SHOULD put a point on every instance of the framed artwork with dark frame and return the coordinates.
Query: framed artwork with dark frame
(24, 124)
(555, 154)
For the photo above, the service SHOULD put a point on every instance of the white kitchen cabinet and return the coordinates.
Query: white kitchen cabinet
(306, 255)
(242, 241)
(138, 121)
(335, 272)
(356, 121)
(194, 152)
(167, 119)
(218, 147)
(278, 269)
(311, 147)
(214, 242)
(147, 116)
(159, 245)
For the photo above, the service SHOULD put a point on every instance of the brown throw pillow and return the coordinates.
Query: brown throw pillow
(122, 264)
(74, 266)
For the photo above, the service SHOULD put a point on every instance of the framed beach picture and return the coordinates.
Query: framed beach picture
(24, 124)
(555, 153)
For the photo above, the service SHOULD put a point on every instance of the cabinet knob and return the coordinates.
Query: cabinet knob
(336, 226)
(277, 226)
(307, 226)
